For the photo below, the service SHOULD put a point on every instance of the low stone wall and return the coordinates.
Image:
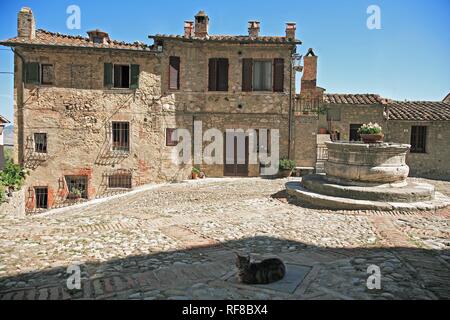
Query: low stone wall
(15, 205)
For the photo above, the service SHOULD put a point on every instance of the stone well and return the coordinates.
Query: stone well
(360, 176)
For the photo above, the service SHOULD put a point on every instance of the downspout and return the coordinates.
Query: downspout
(20, 115)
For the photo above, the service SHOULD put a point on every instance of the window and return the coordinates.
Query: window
(218, 74)
(174, 73)
(40, 142)
(169, 141)
(333, 114)
(41, 194)
(77, 186)
(47, 74)
(121, 136)
(32, 73)
(119, 181)
(97, 39)
(418, 139)
(121, 76)
(354, 135)
(262, 75)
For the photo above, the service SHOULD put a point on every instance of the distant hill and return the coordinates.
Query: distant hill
(8, 135)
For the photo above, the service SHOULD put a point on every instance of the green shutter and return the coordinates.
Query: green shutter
(107, 79)
(134, 83)
(32, 72)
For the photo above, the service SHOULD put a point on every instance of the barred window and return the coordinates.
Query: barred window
(41, 195)
(418, 139)
(77, 186)
(121, 136)
(119, 181)
(47, 74)
(40, 142)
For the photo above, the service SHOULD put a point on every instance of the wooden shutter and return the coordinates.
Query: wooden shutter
(134, 82)
(32, 72)
(212, 75)
(222, 75)
(174, 73)
(247, 74)
(278, 75)
(107, 77)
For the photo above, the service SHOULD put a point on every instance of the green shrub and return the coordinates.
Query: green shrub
(2, 193)
(371, 128)
(196, 170)
(286, 164)
(12, 175)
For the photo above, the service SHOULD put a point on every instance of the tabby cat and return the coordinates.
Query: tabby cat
(267, 271)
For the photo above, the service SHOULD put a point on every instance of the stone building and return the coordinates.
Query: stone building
(95, 116)
(3, 122)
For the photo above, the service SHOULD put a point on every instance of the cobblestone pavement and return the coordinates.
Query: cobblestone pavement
(178, 241)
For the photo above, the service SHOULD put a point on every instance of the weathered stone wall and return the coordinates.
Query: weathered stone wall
(305, 141)
(77, 122)
(15, 205)
(352, 114)
(435, 162)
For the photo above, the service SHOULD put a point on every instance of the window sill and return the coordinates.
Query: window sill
(119, 90)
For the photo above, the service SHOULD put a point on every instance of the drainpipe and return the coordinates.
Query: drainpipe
(290, 104)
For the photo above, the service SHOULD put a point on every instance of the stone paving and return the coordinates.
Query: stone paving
(178, 241)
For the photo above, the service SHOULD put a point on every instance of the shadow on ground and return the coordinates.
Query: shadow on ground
(209, 273)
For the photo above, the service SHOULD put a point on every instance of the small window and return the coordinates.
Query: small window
(333, 114)
(174, 73)
(77, 186)
(169, 141)
(119, 181)
(121, 136)
(218, 74)
(262, 75)
(354, 134)
(40, 142)
(121, 76)
(32, 71)
(98, 40)
(47, 74)
(41, 194)
(418, 139)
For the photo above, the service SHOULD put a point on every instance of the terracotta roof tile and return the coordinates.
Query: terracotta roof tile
(48, 38)
(356, 99)
(230, 38)
(419, 111)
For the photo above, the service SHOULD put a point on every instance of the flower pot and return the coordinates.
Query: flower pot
(323, 131)
(194, 176)
(285, 173)
(372, 138)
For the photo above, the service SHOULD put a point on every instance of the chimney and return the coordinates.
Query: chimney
(253, 28)
(309, 78)
(201, 24)
(26, 25)
(188, 28)
(98, 36)
(291, 27)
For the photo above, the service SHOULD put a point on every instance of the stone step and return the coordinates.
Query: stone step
(413, 192)
(298, 194)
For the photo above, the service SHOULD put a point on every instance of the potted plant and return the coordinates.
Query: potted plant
(323, 130)
(75, 194)
(286, 167)
(195, 173)
(371, 133)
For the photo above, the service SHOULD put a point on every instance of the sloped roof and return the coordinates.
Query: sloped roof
(355, 99)
(447, 99)
(3, 119)
(48, 38)
(230, 38)
(419, 111)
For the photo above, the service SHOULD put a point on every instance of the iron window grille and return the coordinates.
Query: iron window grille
(77, 186)
(120, 181)
(121, 136)
(40, 142)
(418, 139)
(41, 195)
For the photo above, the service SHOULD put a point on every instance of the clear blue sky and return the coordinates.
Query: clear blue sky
(409, 58)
